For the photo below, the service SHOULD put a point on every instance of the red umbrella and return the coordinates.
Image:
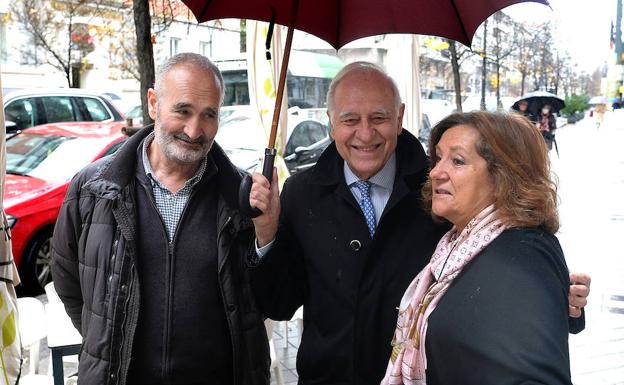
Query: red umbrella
(340, 21)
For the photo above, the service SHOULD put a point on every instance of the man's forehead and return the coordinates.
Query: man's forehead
(350, 113)
(364, 78)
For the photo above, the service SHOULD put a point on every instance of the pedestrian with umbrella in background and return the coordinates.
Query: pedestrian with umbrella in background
(542, 106)
(523, 109)
(599, 106)
(547, 124)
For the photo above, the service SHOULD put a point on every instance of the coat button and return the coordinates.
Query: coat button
(231, 307)
(124, 288)
(355, 245)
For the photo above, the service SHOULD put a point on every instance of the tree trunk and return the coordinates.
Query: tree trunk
(484, 66)
(145, 52)
(522, 83)
(499, 105)
(542, 82)
(68, 69)
(456, 75)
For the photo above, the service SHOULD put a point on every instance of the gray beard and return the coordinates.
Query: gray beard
(171, 150)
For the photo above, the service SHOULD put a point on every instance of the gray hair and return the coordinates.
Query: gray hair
(365, 67)
(194, 59)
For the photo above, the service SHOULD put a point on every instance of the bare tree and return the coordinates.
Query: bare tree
(456, 74)
(557, 68)
(52, 29)
(502, 48)
(458, 55)
(484, 65)
(145, 51)
(527, 43)
(542, 56)
(568, 78)
(122, 53)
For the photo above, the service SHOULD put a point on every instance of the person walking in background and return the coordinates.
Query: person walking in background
(523, 106)
(349, 234)
(460, 320)
(149, 250)
(599, 112)
(547, 124)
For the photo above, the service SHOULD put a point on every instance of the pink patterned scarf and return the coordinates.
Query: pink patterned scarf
(454, 251)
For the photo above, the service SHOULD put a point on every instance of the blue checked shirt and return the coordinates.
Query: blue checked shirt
(170, 205)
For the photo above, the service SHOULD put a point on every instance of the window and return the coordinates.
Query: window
(236, 88)
(96, 109)
(51, 157)
(305, 134)
(58, 109)
(21, 112)
(205, 48)
(174, 46)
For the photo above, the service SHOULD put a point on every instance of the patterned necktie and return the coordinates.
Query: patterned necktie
(367, 204)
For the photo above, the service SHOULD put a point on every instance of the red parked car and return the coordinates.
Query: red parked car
(40, 162)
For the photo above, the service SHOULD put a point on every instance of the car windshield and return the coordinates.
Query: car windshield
(135, 112)
(52, 158)
(240, 133)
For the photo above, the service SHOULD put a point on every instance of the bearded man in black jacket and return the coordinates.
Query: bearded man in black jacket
(149, 250)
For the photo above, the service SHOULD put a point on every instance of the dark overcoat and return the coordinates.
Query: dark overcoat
(350, 285)
(504, 320)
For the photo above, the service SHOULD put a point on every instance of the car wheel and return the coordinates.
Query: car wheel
(35, 266)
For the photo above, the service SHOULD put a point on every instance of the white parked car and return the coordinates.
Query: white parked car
(244, 141)
(32, 107)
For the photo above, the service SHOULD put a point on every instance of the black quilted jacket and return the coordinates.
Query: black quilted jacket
(94, 268)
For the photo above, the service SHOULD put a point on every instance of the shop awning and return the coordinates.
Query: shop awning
(314, 65)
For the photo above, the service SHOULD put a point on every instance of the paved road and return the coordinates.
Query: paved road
(590, 168)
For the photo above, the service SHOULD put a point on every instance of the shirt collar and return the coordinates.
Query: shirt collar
(150, 172)
(384, 178)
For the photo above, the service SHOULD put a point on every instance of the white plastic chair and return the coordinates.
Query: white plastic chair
(32, 329)
(275, 364)
(51, 293)
(298, 318)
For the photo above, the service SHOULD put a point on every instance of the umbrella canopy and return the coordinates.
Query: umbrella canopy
(538, 99)
(597, 100)
(340, 21)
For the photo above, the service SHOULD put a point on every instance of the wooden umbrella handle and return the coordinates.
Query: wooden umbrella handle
(282, 79)
(270, 152)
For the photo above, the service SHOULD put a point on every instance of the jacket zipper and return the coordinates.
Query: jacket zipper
(124, 364)
(132, 295)
(111, 268)
(168, 299)
(165, 367)
(228, 316)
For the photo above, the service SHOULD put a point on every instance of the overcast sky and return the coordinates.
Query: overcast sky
(583, 27)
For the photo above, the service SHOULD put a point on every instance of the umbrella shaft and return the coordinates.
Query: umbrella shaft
(282, 79)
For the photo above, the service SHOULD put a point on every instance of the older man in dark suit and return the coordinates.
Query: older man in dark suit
(352, 233)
